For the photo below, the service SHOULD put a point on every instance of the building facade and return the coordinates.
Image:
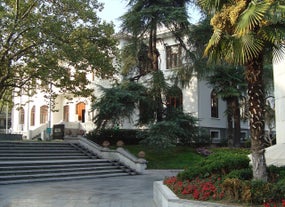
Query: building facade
(33, 116)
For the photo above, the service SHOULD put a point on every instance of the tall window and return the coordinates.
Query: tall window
(214, 105)
(43, 114)
(33, 111)
(21, 115)
(66, 113)
(173, 56)
(80, 111)
(174, 99)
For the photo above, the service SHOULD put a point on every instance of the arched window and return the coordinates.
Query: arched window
(174, 99)
(33, 111)
(43, 114)
(66, 113)
(21, 115)
(214, 104)
(80, 111)
(173, 56)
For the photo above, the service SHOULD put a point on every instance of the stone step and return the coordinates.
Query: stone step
(58, 174)
(43, 157)
(56, 170)
(40, 154)
(54, 162)
(33, 150)
(65, 178)
(54, 166)
(32, 162)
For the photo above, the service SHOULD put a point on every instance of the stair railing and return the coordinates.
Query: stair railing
(119, 155)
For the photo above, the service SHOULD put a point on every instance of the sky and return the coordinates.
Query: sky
(113, 9)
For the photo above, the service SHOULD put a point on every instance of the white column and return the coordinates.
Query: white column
(279, 90)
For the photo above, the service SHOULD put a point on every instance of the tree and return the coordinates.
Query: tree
(119, 102)
(143, 20)
(229, 83)
(56, 42)
(244, 32)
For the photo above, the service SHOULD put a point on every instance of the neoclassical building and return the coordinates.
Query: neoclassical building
(32, 116)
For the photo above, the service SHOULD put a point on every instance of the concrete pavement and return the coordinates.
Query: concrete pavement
(126, 191)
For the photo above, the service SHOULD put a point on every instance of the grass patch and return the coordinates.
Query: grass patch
(179, 157)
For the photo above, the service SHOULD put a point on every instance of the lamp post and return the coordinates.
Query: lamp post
(49, 116)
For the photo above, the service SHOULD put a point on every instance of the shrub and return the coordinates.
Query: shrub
(232, 188)
(176, 128)
(242, 174)
(262, 191)
(216, 163)
(274, 173)
(128, 136)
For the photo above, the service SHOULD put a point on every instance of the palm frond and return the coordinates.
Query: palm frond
(251, 47)
(252, 17)
(213, 42)
(279, 53)
(210, 5)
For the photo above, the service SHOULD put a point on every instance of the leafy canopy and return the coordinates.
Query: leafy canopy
(57, 42)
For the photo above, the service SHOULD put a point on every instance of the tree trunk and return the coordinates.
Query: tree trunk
(153, 55)
(254, 76)
(236, 122)
(230, 123)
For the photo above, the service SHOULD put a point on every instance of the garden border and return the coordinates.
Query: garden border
(164, 197)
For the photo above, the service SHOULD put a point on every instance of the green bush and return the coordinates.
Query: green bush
(128, 136)
(262, 191)
(217, 163)
(242, 174)
(177, 128)
(280, 188)
(274, 173)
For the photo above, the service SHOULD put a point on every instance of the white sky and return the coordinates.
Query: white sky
(113, 9)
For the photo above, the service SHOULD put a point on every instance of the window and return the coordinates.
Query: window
(21, 115)
(244, 109)
(243, 136)
(33, 111)
(214, 105)
(66, 113)
(43, 114)
(173, 56)
(80, 111)
(215, 136)
(174, 99)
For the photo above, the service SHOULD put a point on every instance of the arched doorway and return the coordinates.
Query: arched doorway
(80, 111)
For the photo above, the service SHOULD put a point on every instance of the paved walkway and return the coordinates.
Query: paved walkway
(129, 191)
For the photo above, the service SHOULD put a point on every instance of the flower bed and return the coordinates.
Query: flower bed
(213, 189)
(226, 176)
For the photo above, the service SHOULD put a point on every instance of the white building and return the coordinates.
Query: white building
(32, 116)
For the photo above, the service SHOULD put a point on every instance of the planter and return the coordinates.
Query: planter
(164, 197)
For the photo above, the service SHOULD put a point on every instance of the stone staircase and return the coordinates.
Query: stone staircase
(22, 162)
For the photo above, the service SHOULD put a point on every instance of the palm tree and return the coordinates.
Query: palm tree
(143, 20)
(229, 83)
(244, 30)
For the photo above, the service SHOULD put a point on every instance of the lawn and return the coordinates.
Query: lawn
(179, 157)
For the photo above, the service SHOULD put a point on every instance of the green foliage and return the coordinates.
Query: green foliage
(57, 42)
(280, 187)
(176, 128)
(117, 103)
(162, 135)
(261, 191)
(221, 162)
(128, 136)
(241, 174)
